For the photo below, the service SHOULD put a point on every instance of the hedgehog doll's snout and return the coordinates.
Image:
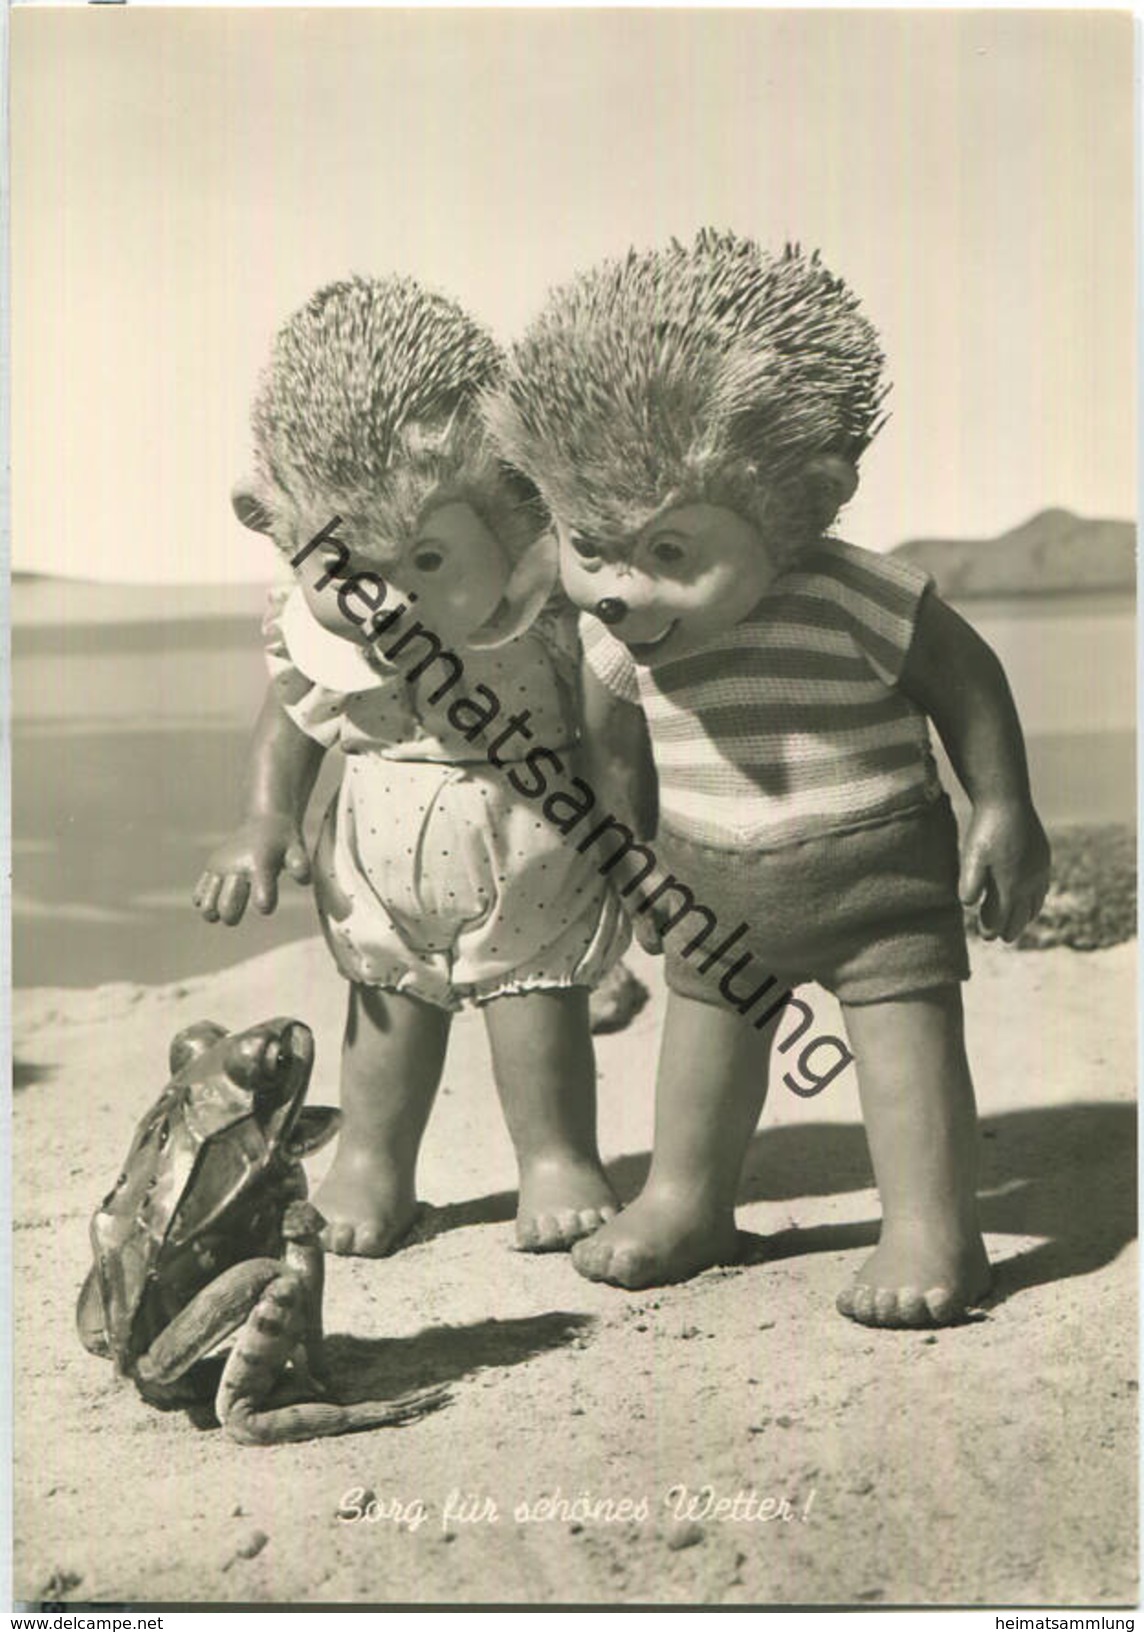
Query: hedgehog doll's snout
(611, 610)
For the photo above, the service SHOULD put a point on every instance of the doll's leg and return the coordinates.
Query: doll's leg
(392, 1058)
(709, 1093)
(921, 1122)
(546, 1076)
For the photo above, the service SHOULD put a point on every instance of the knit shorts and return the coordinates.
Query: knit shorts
(870, 913)
(441, 882)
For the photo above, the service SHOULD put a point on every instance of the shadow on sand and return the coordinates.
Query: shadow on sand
(1063, 1172)
(385, 1369)
(25, 1074)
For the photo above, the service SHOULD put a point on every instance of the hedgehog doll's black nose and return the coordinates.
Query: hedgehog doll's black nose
(611, 609)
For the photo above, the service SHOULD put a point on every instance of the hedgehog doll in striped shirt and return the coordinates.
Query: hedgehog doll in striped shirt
(757, 695)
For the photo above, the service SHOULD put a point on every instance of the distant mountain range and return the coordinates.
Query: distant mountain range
(39, 599)
(1054, 553)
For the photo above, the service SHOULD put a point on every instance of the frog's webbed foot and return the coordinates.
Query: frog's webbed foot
(248, 1400)
(317, 1419)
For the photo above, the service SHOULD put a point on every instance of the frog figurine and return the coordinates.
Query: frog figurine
(207, 1232)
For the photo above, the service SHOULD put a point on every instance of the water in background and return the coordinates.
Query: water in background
(129, 747)
(1071, 661)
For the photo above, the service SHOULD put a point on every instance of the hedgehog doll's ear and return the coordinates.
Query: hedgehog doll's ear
(532, 581)
(831, 482)
(250, 509)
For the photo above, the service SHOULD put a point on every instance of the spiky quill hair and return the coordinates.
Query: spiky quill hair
(368, 408)
(713, 371)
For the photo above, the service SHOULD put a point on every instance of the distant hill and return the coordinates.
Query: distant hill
(41, 599)
(1054, 553)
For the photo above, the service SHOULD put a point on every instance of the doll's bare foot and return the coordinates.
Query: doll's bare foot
(660, 1238)
(546, 1077)
(930, 1265)
(562, 1199)
(918, 1282)
(369, 1207)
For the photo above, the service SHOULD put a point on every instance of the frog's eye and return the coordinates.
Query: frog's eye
(245, 1060)
(668, 552)
(428, 560)
(192, 1041)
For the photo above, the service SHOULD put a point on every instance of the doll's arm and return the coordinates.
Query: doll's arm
(957, 679)
(621, 773)
(284, 765)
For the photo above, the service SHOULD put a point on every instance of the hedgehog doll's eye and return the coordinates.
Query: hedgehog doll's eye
(586, 548)
(667, 552)
(428, 560)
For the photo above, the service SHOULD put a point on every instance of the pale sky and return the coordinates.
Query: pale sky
(182, 179)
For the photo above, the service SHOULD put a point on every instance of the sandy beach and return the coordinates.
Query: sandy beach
(182, 180)
(990, 1464)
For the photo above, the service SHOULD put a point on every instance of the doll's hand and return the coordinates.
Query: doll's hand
(249, 862)
(1005, 868)
(647, 932)
(647, 921)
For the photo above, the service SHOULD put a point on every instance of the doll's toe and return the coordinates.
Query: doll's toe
(372, 1242)
(943, 1305)
(912, 1308)
(339, 1239)
(860, 1304)
(886, 1306)
(550, 1232)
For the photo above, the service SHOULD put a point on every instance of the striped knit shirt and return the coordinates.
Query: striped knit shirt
(790, 724)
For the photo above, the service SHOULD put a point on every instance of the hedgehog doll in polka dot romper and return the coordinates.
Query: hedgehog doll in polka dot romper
(424, 638)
